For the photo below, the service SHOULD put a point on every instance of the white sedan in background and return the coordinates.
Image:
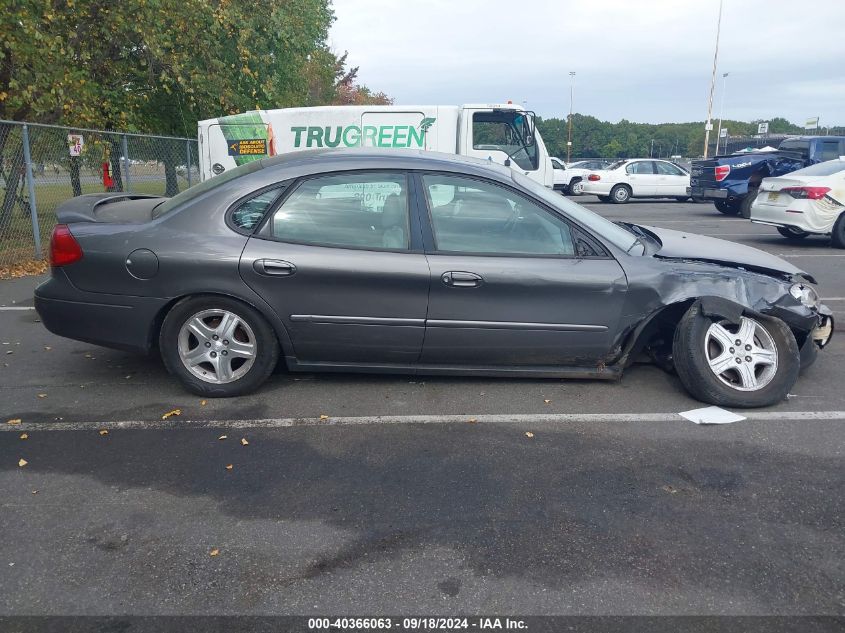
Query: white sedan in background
(638, 178)
(810, 201)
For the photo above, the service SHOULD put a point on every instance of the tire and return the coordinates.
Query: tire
(792, 233)
(837, 236)
(728, 208)
(745, 204)
(620, 194)
(604, 198)
(695, 348)
(576, 187)
(245, 353)
(681, 198)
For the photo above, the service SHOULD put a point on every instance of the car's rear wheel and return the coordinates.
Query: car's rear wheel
(750, 364)
(791, 233)
(217, 346)
(728, 208)
(837, 236)
(620, 194)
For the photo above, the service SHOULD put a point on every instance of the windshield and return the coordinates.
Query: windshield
(619, 237)
(508, 131)
(197, 190)
(827, 168)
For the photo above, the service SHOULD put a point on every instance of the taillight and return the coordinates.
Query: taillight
(593, 177)
(722, 172)
(806, 193)
(64, 249)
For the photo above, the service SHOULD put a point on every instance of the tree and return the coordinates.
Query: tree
(155, 65)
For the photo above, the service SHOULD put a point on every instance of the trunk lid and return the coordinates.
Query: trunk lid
(121, 208)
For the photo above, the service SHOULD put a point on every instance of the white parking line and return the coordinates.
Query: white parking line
(11, 308)
(521, 419)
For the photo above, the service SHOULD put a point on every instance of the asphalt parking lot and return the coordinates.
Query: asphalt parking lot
(346, 501)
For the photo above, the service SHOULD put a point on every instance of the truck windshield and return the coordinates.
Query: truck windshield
(508, 131)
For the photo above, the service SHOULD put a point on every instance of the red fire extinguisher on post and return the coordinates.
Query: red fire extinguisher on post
(108, 183)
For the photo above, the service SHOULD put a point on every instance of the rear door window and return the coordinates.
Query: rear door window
(356, 210)
(641, 167)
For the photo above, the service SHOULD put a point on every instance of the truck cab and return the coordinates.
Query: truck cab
(500, 133)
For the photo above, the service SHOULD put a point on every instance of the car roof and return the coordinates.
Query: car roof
(379, 158)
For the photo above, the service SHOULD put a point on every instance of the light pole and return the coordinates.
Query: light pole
(571, 98)
(709, 125)
(721, 112)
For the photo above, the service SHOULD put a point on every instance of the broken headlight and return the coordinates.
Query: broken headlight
(805, 294)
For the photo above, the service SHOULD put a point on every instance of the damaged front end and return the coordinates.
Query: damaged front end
(662, 289)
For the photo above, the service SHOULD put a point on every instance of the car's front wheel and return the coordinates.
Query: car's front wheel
(218, 346)
(753, 363)
(620, 194)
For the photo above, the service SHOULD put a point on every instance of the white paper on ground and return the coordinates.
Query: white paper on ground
(711, 415)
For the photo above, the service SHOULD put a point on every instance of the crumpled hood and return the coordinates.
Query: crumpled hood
(680, 245)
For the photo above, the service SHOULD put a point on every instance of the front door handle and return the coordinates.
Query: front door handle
(460, 279)
(273, 267)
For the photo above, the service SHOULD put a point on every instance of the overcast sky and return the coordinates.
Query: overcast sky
(642, 60)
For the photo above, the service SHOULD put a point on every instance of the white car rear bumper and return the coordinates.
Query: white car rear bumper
(811, 216)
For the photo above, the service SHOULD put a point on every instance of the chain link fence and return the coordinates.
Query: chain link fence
(41, 166)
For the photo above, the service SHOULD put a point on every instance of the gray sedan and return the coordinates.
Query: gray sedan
(361, 260)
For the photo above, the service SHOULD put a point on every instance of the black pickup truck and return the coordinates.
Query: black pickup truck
(731, 181)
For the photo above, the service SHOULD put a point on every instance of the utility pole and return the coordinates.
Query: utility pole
(721, 112)
(709, 125)
(571, 96)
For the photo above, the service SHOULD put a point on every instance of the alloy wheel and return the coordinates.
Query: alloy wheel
(744, 356)
(217, 346)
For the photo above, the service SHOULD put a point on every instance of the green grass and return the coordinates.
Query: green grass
(16, 242)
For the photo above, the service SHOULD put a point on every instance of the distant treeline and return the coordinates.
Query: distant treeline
(594, 138)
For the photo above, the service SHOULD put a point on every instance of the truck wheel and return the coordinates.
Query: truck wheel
(751, 364)
(791, 233)
(838, 234)
(217, 346)
(576, 187)
(620, 194)
(726, 207)
(747, 201)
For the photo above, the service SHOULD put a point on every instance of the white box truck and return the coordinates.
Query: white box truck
(502, 133)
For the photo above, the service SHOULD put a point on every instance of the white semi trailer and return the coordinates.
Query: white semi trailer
(502, 133)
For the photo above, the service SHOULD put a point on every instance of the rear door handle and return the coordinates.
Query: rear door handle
(273, 267)
(460, 279)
